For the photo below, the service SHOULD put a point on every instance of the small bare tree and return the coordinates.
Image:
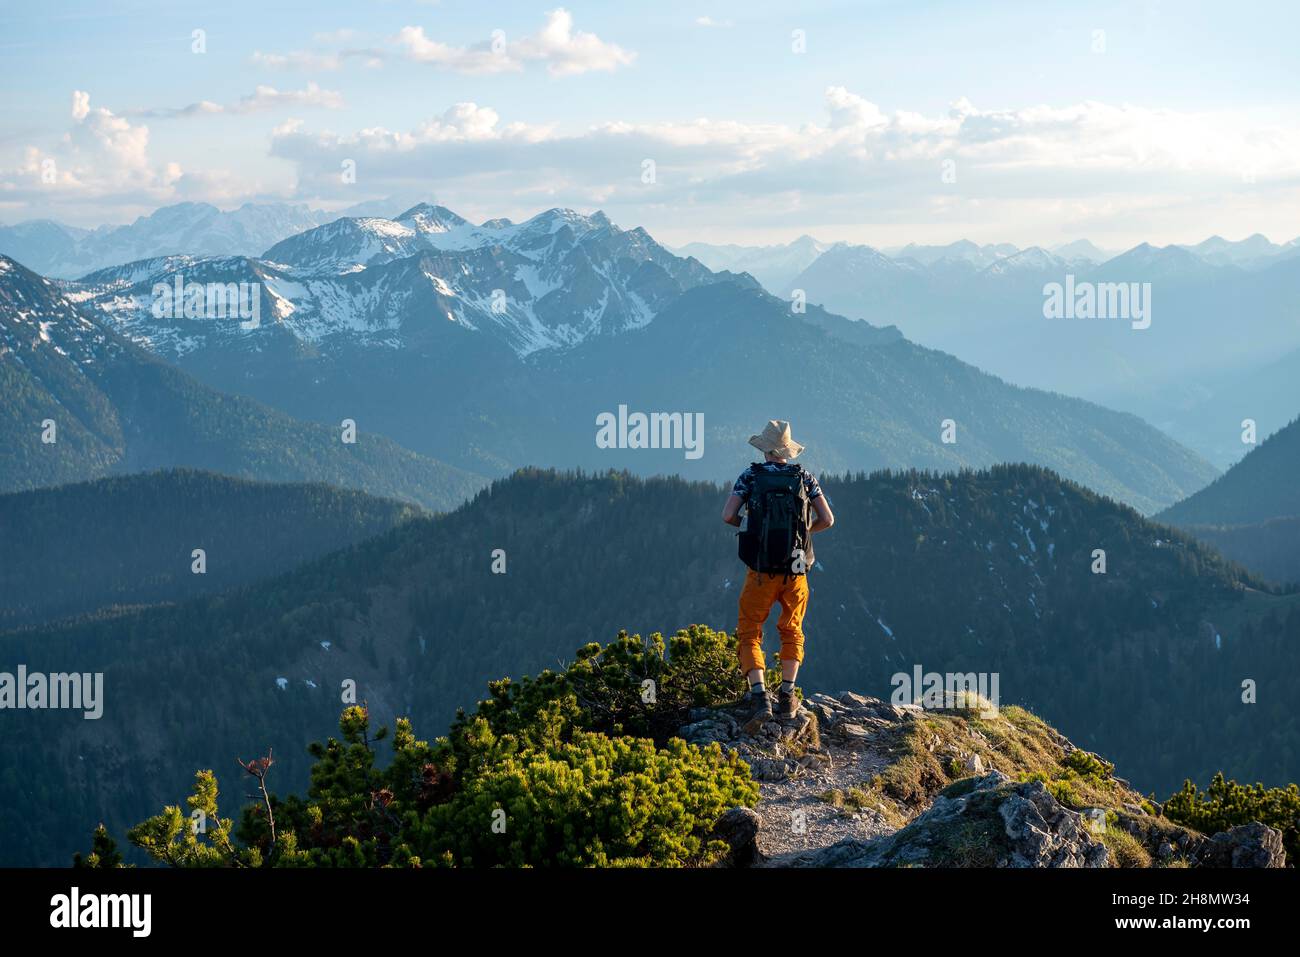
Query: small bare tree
(258, 767)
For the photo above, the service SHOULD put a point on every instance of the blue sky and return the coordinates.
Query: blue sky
(898, 122)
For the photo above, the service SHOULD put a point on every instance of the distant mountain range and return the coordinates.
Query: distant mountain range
(974, 572)
(54, 249)
(129, 540)
(982, 303)
(498, 345)
(956, 302)
(773, 266)
(963, 250)
(1253, 252)
(82, 402)
(1210, 325)
(1192, 373)
(776, 265)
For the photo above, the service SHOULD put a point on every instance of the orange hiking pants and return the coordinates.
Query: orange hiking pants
(758, 596)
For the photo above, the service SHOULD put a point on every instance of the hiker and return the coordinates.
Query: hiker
(784, 508)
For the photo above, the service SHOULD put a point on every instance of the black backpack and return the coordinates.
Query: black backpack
(775, 539)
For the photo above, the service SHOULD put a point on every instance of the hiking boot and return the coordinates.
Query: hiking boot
(787, 705)
(759, 712)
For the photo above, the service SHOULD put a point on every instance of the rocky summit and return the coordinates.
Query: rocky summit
(853, 781)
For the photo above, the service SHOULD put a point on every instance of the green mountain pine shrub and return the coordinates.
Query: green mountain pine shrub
(572, 768)
(1226, 804)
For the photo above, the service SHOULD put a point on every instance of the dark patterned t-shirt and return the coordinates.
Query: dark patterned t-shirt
(745, 484)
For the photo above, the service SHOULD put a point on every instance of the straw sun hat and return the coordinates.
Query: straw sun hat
(775, 438)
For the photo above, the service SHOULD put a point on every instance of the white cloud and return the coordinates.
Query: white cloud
(101, 154)
(80, 104)
(462, 124)
(854, 163)
(850, 110)
(710, 22)
(565, 52)
(262, 98)
(297, 60)
(103, 162)
(314, 61)
(479, 59)
(268, 97)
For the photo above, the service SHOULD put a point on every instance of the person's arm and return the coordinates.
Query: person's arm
(825, 518)
(731, 511)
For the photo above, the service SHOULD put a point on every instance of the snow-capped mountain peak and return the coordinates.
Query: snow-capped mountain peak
(42, 321)
(1252, 251)
(1081, 250)
(427, 218)
(961, 251)
(551, 281)
(1033, 259)
(1145, 262)
(349, 244)
(346, 245)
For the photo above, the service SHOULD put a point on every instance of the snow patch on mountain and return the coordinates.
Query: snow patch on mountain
(550, 282)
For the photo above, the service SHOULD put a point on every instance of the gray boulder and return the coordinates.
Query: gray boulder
(1249, 845)
(738, 829)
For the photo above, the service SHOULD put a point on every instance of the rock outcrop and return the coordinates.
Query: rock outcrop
(1250, 845)
(988, 821)
(853, 781)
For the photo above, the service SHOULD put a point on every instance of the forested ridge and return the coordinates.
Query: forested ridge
(973, 572)
(1259, 487)
(130, 540)
(1252, 512)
